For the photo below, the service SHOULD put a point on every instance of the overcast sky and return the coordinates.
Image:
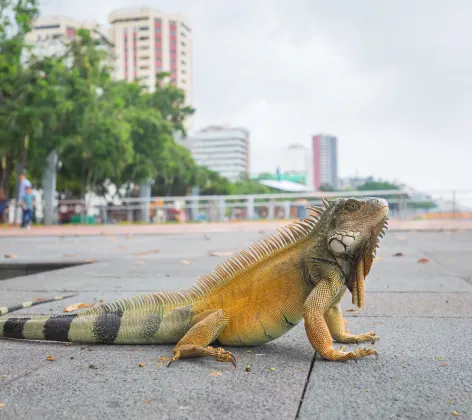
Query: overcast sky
(391, 79)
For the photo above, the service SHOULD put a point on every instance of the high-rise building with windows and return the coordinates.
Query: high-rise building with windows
(147, 42)
(222, 149)
(325, 161)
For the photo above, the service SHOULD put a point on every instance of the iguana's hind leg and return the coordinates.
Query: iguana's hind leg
(321, 298)
(196, 342)
(337, 327)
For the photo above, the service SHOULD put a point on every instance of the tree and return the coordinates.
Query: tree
(250, 187)
(327, 188)
(13, 83)
(377, 186)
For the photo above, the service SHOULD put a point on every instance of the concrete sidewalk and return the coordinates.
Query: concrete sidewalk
(422, 312)
(235, 226)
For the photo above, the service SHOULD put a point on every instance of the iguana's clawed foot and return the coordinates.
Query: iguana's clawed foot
(341, 356)
(225, 356)
(220, 354)
(359, 338)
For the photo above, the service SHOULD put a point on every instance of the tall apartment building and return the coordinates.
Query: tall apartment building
(50, 32)
(147, 42)
(222, 149)
(325, 160)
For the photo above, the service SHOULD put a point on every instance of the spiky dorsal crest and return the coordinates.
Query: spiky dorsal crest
(325, 201)
(224, 272)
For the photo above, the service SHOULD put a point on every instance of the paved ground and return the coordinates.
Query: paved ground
(235, 226)
(423, 313)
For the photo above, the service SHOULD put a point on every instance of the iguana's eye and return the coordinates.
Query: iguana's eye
(352, 205)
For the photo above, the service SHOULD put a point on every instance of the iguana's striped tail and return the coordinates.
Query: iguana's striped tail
(8, 309)
(143, 320)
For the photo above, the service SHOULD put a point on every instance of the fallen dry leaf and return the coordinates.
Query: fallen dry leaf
(141, 365)
(139, 262)
(101, 300)
(2, 405)
(164, 358)
(147, 401)
(423, 260)
(398, 254)
(89, 261)
(272, 368)
(93, 367)
(140, 254)
(455, 413)
(10, 255)
(38, 299)
(215, 373)
(185, 262)
(50, 358)
(220, 253)
(76, 306)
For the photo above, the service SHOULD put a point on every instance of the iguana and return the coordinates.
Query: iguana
(250, 298)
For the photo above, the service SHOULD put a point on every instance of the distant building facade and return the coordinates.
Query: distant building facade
(50, 34)
(148, 41)
(222, 149)
(325, 161)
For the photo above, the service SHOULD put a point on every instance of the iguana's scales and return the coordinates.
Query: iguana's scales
(251, 298)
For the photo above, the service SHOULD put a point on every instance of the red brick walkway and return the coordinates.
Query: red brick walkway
(246, 226)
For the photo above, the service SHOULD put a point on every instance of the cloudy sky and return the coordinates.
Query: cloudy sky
(391, 79)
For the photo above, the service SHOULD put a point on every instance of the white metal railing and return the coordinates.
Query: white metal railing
(403, 203)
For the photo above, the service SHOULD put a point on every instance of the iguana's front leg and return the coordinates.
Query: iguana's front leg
(196, 342)
(337, 327)
(316, 305)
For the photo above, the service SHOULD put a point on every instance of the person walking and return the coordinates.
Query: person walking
(24, 184)
(27, 204)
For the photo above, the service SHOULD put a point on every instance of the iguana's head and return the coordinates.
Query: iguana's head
(353, 230)
(354, 222)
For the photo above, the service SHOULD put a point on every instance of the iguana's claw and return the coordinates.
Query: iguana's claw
(363, 352)
(174, 358)
(225, 356)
